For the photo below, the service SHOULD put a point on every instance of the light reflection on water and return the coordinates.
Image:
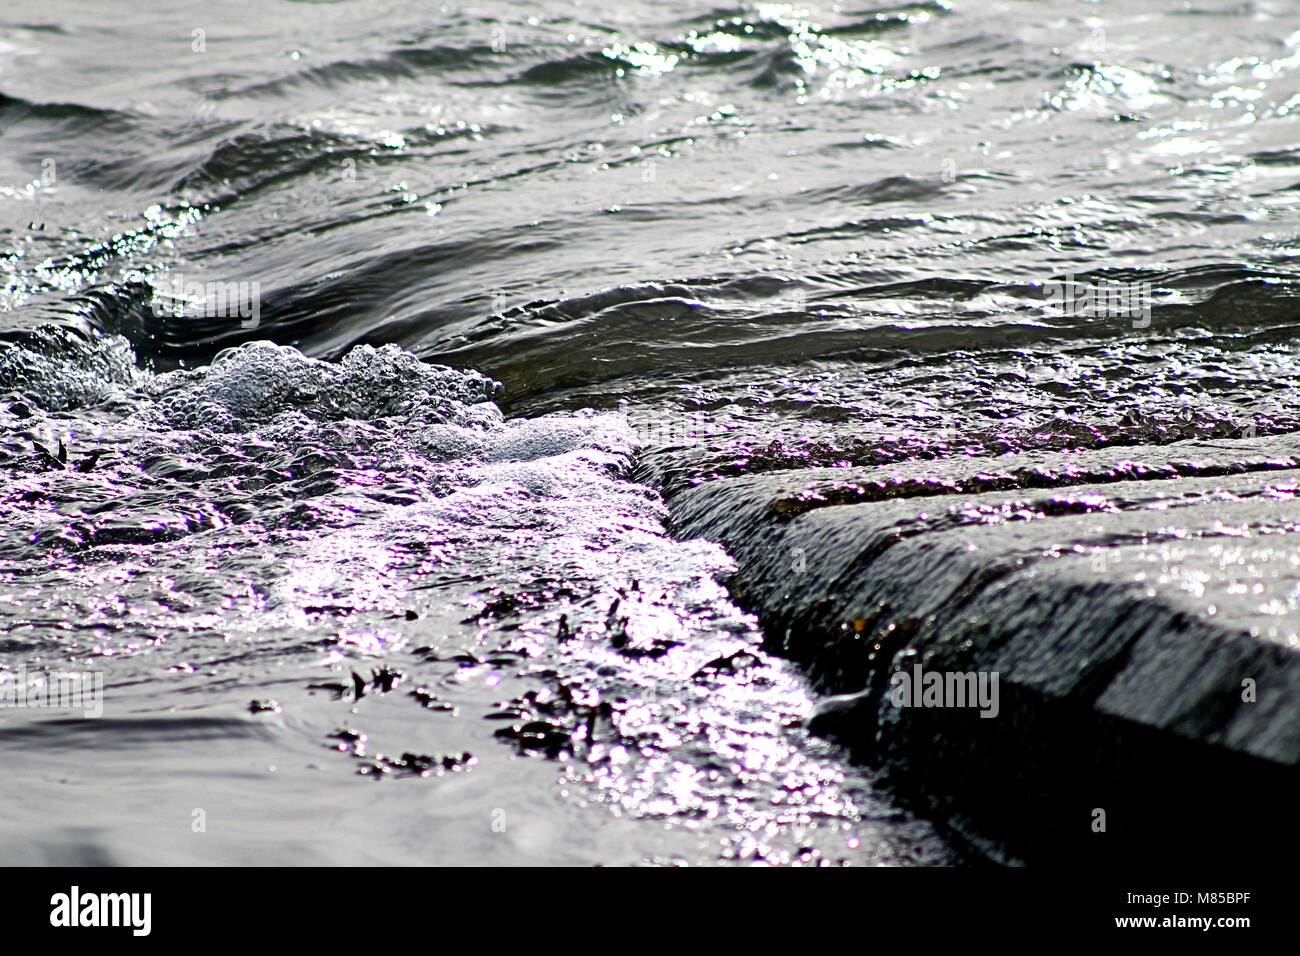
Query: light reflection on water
(783, 236)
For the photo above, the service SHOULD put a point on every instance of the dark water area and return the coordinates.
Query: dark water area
(353, 354)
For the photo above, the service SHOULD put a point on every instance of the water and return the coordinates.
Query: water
(641, 247)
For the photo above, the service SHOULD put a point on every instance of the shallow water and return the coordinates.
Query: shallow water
(654, 245)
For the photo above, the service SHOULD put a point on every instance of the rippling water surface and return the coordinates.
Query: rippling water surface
(347, 350)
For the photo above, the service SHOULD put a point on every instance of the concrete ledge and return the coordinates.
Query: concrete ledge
(1140, 608)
